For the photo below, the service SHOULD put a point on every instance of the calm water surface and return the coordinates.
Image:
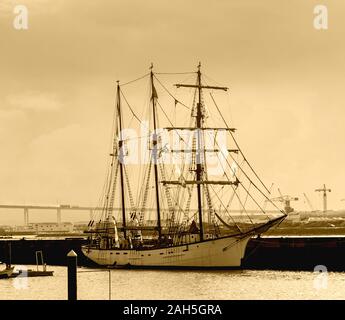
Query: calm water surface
(155, 284)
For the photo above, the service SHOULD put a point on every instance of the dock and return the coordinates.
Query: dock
(32, 273)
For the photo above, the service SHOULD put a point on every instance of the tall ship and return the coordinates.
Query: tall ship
(192, 200)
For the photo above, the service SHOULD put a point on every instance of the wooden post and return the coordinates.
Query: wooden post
(72, 275)
(109, 284)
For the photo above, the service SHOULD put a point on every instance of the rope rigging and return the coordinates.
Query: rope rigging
(176, 101)
(130, 108)
(135, 80)
(238, 147)
(190, 72)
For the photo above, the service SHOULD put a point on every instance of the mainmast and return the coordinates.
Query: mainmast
(121, 160)
(200, 150)
(155, 153)
(199, 167)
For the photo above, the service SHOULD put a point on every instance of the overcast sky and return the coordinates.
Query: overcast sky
(57, 88)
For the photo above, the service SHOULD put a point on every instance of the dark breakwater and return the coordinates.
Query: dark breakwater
(23, 251)
(279, 253)
(295, 253)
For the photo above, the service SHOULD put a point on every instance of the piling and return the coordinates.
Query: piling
(72, 275)
(109, 284)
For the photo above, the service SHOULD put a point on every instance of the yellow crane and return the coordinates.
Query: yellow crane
(324, 190)
(309, 202)
(286, 199)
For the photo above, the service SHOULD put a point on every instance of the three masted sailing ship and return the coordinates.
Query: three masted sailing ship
(181, 234)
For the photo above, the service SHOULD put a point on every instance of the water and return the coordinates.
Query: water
(178, 284)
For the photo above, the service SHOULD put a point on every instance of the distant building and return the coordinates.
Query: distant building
(28, 228)
(52, 227)
(4, 229)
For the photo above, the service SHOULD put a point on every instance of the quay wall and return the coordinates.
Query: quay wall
(280, 253)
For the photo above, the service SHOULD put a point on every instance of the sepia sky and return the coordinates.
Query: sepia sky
(57, 88)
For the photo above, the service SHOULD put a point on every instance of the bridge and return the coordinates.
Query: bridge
(58, 209)
(63, 207)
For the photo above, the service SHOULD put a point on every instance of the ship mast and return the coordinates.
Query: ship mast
(199, 168)
(200, 149)
(155, 153)
(121, 160)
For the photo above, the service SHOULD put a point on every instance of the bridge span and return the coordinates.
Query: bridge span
(58, 209)
(91, 210)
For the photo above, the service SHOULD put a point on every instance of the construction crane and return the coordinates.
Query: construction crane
(324, 190)
(286, 200)
(309, 202)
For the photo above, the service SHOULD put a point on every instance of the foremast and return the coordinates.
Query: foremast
(117, 164)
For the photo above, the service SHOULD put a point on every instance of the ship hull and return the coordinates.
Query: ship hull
(217, 253)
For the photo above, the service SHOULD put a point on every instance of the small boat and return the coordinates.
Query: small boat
(7, 272)
(36, 273)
